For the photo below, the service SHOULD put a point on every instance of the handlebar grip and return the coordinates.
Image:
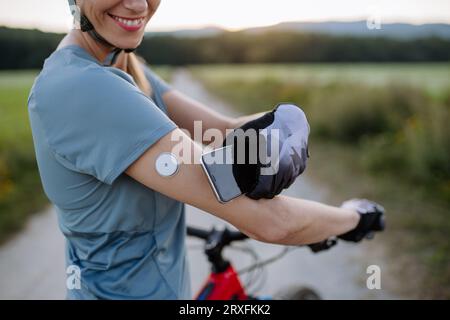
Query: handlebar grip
(237, 235)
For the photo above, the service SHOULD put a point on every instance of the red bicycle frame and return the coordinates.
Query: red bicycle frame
(223, 286)
(223, 283)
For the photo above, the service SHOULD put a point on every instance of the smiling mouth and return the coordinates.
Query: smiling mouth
(128, 23)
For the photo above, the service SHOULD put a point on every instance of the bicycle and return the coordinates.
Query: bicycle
(224, 282)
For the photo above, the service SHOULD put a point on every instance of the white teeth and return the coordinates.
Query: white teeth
(130, 23)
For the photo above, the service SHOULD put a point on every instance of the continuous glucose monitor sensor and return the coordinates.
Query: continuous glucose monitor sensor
(166, 164)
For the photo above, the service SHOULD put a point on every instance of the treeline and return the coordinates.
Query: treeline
(286, 47)
(25, 49)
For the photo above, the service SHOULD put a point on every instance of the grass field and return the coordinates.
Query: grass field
(385, 130)
(431, 76)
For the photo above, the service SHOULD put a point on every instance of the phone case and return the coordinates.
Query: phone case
(211, 182)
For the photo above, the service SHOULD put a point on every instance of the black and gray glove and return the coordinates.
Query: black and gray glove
(262, 172)
(371, 219)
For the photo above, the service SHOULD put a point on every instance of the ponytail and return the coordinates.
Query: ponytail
(134, 68)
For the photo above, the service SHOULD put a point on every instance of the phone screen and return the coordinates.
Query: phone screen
(219, 166)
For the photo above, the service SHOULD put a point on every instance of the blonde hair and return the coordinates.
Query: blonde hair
(134, 68)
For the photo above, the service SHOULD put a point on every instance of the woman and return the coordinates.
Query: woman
(98, 131)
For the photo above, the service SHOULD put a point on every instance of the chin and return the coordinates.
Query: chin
(128, 44)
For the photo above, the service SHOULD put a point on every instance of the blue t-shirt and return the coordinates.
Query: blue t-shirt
(90, 123)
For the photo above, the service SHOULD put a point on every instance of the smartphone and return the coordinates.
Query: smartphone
(218, 166)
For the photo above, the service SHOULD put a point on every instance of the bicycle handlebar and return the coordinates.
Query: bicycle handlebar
(204, 234)
(227, 236)
(198, 233)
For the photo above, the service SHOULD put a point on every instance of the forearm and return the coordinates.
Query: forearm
(238, 122)
(309, 221)
(282, 220)
(193, 115)
(185, 111)
(225, 124)
(286, 220)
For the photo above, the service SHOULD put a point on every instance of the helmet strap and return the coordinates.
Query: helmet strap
(87, 26)
(115, 54)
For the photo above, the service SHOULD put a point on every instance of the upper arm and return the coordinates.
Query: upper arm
(190, 184)
(98, 123)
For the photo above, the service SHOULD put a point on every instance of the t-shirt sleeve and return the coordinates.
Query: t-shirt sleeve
(100, 123)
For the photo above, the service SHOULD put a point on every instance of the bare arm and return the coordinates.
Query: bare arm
(238, 122)
(282, 220)
(183, 110)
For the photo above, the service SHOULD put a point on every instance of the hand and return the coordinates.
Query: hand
(276, 156)
(371, 219)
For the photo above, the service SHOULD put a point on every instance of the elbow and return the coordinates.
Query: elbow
(274, 235)
(283, 235)
(277, 228)
(283, 226)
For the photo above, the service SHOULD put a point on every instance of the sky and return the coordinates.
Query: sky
(54, 15)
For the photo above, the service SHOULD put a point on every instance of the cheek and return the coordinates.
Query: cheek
(105, 5)
(101, 8)
(153, 5)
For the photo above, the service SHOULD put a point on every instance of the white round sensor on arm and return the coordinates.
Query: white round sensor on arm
(166, 164)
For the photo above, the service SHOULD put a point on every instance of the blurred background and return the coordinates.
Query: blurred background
(372, 76)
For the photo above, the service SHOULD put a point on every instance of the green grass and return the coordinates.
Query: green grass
(21, 192)
(385, 129)
(431, 76)
(20, 189)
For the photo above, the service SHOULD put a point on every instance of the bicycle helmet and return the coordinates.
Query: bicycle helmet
(87, 26)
